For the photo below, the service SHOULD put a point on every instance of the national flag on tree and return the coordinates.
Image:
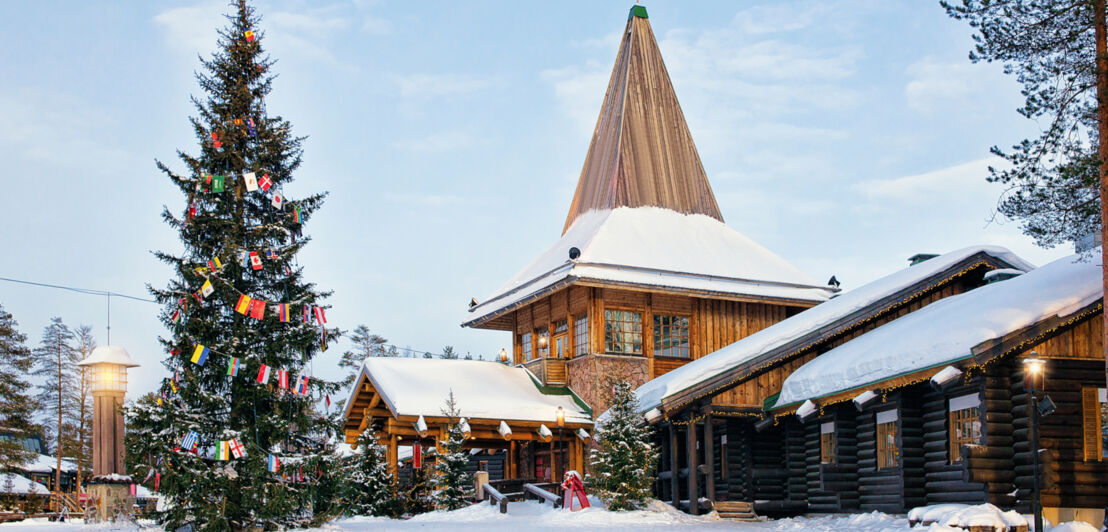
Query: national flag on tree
(206, 289)
(320, 317)
(270, 254)
(243, 305)
(307, 313)
(250, 127)
(255, 260)
(296, 214)
(217, 183)
(283, 379)
(273, 464)
(263, 374)
(214, 264)
(200, 356)
(283, 312)
(249, 34)
(265, 182)
(257, 309)
(191, 441)
(224, 452)
(233, 367)
(236, 448)
(301, 385)
(278, 200)
(250, 180)
(215, 140)
(176, 317)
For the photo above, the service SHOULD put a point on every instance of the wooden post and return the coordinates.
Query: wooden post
(694, 494)
(393, 456)
(709, 460)
(675, 486)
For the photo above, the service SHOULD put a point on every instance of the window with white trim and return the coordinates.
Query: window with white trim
(965, 424)
(888, 446)
(828, 447)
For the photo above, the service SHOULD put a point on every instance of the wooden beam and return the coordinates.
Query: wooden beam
(675, 487)
(393, 456)
(694, 487)
(709, 460)
(375, 400)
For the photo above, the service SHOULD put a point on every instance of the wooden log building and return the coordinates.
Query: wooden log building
(710, 412)
(542, 429)
(933, 407)
(646, 276)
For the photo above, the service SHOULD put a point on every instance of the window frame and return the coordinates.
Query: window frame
(581, 335)
(958, 416)
(1094, 424)
(609, 332)
(886, 450)
(828, 443)
(527, 347)
(659, 349)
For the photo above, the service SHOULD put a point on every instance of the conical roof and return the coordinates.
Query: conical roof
(642, 153)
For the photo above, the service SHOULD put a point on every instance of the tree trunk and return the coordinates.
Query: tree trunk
(1101, 29)
(58, 445)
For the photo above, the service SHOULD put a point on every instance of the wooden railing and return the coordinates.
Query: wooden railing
(495, 497)
(541, 494)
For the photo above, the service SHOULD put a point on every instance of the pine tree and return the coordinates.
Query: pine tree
(448, 353)
(17, 407)
(366, 345)
(1052, 184)
(623, 464)
(451, 459)
(56, 364)
(369, 488)
(237, 243)
(83, 397)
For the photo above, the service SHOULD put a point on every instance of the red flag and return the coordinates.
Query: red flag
(257, 309)
(320, 317)
(327, 398)
(417, 455)
(265, 182)
(255, 260)
(215, 141)
(157, 480)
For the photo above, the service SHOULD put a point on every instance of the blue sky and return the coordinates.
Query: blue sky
(843, 135)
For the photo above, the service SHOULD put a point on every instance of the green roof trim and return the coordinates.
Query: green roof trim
(560, 390)
(768, 403)
(637, 11)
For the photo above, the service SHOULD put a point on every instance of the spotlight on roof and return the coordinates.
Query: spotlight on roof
(574, 253)
(833, 282)
(472, 302)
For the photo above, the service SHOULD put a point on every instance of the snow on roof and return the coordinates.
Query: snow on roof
(21, 485)
(652, 393)
(946, 331)
(659, 247)
(46, 464)
(111, 354)
(483, 390)
(142, 492)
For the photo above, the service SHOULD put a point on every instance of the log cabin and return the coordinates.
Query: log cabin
(934, 407)
(709, 413)
(646, 275)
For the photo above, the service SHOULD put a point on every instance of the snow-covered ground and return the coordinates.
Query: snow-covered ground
(534, 516)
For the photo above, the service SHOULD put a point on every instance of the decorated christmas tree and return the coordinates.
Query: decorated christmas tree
(451, 481)
(623, 464)
(369, 489)
(235, 439)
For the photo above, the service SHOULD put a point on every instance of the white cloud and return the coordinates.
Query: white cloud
(438, 85)
(936, 185)
(936, 84)
(193, 29)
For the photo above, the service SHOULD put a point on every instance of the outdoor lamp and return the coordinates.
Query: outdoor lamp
(503, 355)
(1033, 369)
(107, 367)
(560, 416)
(542, 341)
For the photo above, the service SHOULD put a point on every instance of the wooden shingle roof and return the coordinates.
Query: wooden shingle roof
(642, 153)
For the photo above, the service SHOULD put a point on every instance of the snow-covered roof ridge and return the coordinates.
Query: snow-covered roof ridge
(42, 463)
(484, 390)
(910, 343)
(21, 485)
(657, 247)
(793, 333)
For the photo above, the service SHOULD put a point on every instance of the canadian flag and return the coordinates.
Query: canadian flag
(255, 260)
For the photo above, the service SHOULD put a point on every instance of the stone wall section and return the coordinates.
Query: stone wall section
(592, 376)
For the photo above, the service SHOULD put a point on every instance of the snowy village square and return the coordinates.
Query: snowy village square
(358, 265)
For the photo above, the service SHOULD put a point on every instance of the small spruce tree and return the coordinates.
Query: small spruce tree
(623, 464)
(450, 481)
(369, 488)
(17, 407)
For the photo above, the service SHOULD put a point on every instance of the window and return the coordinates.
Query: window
(483, 465)
(888, 450)
(671, 336)
(581, 335)
(828, 451)
(965, 424)
(622, 332)
(1094, 421)
(560, 341)
(543, 337)
(525, 341)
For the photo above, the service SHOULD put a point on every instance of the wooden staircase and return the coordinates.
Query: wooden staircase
(735, 510)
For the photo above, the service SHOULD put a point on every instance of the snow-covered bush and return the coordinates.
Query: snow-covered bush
(623, 464)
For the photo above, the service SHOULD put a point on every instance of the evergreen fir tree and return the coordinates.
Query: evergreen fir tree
(366, 344)
(448, 353)
(369, 488)
(82, 455)
(56, 364)
(222, 224)
(17, 407)
(623, 464)
(451, 480)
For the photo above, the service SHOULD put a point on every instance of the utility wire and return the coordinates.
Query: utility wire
(87, 291)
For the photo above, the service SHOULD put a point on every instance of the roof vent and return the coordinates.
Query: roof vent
(1003, 274)
(920, 257)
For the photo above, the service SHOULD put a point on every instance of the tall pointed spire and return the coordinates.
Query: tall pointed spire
(642, 153)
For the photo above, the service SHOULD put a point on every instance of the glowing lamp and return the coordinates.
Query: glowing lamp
(1033, 370)
(560, 417)
(503, 355)
(107, 368)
